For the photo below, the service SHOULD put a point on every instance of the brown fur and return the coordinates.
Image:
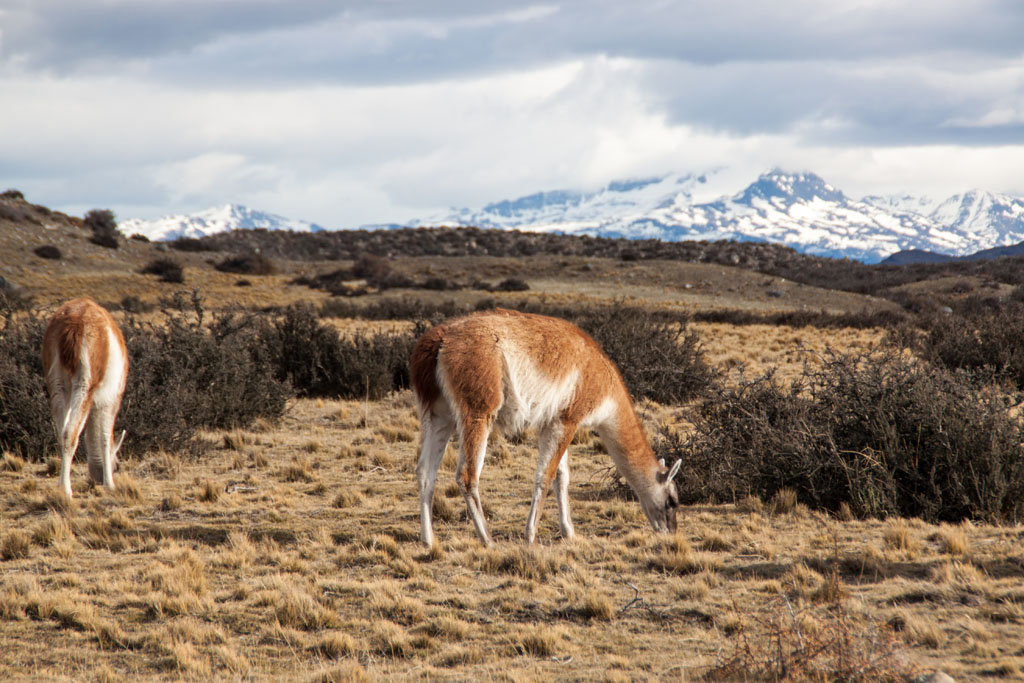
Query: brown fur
(77, 321)
(468, 356)
(471, 357)
(82, 325)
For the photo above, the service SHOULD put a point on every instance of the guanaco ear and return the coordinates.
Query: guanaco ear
(661, 461)
(675, 470)
(117, 446)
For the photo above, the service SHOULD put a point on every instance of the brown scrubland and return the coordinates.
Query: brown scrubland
(284, 544)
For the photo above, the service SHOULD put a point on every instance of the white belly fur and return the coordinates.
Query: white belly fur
(530, 397)
(109, 388)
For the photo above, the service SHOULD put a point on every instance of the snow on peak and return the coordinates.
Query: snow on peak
(212, 221)
(800, 210)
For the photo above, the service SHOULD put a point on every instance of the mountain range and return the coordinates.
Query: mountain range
(800, 210)
(212, 221)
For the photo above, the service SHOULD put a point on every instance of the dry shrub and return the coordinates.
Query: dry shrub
(391, 640)
(103, 226)
(26, 428)
(394, 308)
(249, 264)
(443, 510)
(886, 435)
(462, 656)
(448, 627)
(952, 540)
(814, 643)
(209, 491)
(168, 270)
(52, 531)
(185, 375)
(317, 361)
(982, 339)
(597, 607)
(48, 251)
(898, 536)
(347, 498)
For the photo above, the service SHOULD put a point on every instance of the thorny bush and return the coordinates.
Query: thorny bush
(884, 434)
(317, 361)
(184, 375)
(987, 340)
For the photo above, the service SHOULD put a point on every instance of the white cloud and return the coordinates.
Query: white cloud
(347, 113)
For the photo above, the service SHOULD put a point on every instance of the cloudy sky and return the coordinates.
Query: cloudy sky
(347, 113)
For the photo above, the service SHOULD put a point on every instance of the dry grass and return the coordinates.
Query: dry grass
(290, 552)
(310, 566)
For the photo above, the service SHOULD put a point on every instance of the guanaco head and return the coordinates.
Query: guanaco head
(662, 500)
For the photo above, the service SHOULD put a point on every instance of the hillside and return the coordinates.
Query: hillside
(685, 273)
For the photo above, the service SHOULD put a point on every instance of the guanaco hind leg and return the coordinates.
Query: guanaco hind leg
(437, 431)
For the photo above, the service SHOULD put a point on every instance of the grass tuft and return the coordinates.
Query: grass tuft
(15, 545)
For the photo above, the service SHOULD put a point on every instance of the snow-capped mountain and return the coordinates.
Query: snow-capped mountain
(797, 209)
(800, 210)
(212, 221)
(621, 202)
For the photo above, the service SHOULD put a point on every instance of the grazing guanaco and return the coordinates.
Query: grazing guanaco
(516, 370)
(85, 363)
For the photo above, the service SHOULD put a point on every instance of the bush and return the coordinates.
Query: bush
(190, 244)
(12, 298)
(133, 304)
(398, 308)
(18, 214)
(139, 237)
(250, 264)
(317, 361)
(183, 376)
(103, 227)
(885, 435)
(48, 251)
(439, 284)
(371, 267)
(988, 341)
(12, 194)
(168, 270)
(511, 284)
(658, 360)
(25, 424)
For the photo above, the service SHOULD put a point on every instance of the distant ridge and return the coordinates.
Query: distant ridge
(799, 210)
(902, 258)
